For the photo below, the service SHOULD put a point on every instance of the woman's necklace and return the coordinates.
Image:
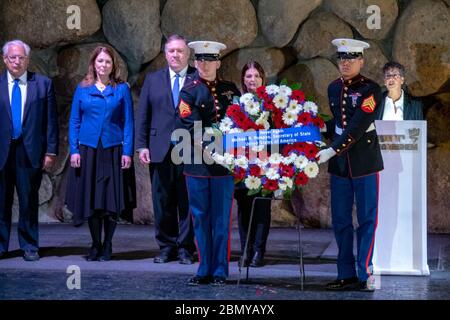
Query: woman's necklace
(100, 85)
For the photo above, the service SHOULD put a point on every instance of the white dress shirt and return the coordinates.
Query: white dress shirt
(393, 110)
(22, 86)
(182, 78)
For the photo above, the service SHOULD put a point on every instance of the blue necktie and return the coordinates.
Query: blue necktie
(16, 108)
(176, 90)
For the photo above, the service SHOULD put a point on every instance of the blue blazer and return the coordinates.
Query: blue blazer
(106, 115)
(40, 119)
(157, 114)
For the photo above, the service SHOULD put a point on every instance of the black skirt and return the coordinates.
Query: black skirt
(101, 184)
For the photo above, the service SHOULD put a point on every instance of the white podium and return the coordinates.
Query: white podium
(401, 235)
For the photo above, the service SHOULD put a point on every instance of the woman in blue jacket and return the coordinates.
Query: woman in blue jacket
(101, 182)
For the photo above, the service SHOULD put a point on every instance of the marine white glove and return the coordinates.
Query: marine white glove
(325, 155)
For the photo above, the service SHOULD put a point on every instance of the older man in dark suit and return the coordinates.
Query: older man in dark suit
(28, 144)
(155, 122)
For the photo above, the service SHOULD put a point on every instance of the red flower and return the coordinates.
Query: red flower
(268, 106)
(318, 122)
(301, 179)
(287, 170)
(304, 118)
(310, 151)
(239, 173)
(298, 95)
(271, 185)
(287, 149)
(261, 91)
(233, 109)
(255, 171)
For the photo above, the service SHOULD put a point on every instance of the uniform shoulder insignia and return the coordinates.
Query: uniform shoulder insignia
(184, 109)
(368, 105)
(191, 84)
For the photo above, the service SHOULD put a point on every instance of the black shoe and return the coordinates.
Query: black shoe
(107, 252)
(218, 281)
(29, 255)
(2, 255)
(94, 253)
(344, 284)
(164, 257)
(184, 257)
(196, 280)
(257, 260)
(366, 286)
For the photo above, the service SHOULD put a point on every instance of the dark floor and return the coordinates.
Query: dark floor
(132, 275)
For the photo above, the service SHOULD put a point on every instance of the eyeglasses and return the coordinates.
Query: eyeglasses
(11, 59)
(396, 76)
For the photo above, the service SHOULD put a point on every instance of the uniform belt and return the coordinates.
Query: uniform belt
(339, 131)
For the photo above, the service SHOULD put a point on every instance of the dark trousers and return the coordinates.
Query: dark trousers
(173, 224)
(344, 192)
(260, 222)
(211, 202)
(18, 173)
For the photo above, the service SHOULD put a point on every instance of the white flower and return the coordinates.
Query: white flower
(246, 98)
(285, 90)
(261, 163)
(285, 183)
(290, 159)
(252, 182)
(294, 107)
(225, 125)
(280, 101)
(242, 162)
(311, 170)
(252, 108)
(275, 158)
(289, 118)
(272, 89)
(301, 162)
(310, 106)
(236, 130)
(272, 174)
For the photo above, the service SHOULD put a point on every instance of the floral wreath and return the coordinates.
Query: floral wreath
(272, 172)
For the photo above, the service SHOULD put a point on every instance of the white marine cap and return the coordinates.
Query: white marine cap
(349, 48)
(207, 50)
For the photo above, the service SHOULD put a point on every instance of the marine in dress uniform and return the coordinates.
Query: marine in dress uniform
(355, 160)
(210, 186)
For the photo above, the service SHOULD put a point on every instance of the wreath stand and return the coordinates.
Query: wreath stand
(300, 245)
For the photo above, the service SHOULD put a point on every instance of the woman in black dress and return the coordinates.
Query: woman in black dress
(101, 183)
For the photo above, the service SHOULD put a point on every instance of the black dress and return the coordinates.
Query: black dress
(101, 184)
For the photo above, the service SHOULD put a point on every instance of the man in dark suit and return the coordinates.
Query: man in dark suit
(28, 144)
(155, 121)
(355, 161)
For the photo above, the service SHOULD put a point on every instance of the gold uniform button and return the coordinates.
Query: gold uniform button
(203, 105)
(349, 140)
(345, 88)
(344, 103)
(217, 108)
(344, 123)
(345, 95)
(338, 150)
(216, 101)
(344, 116)
(213, 89)
(369, 141)
(344, 145)
(343, 109)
